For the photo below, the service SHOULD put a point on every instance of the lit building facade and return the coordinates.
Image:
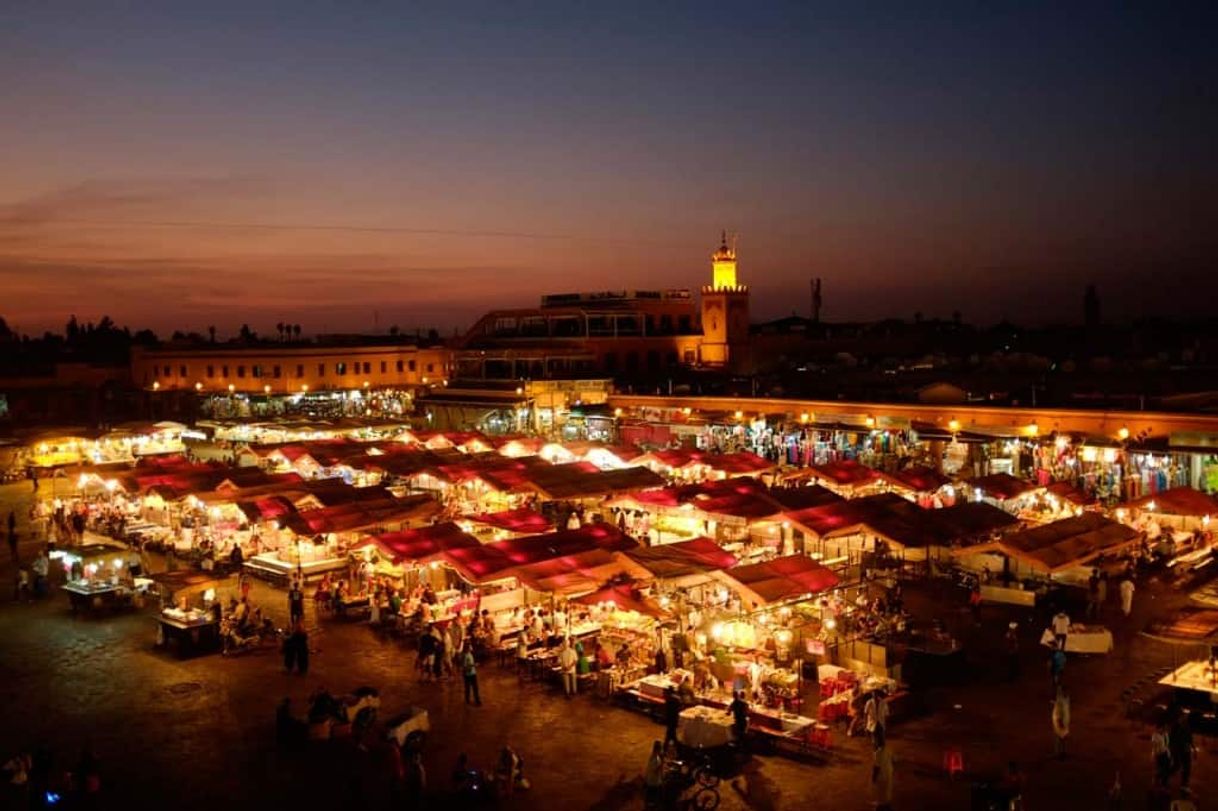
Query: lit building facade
(287, 369)
(725, 311)
(612, 333)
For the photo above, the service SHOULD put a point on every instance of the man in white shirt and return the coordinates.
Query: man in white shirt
(1127, 596)
(1061, 627)
(567, 659)
(41, 567)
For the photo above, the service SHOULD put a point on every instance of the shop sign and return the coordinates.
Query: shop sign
(1193, 439)
(815, 647)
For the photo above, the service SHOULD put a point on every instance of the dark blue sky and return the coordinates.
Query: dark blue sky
(190, 164)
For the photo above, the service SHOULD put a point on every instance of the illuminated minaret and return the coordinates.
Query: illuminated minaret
(725, 310)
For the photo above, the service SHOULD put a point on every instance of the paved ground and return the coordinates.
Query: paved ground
(198, 732)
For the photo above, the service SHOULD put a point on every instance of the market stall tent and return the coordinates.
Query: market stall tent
(358, 516)
(492, 561)
(780, 580)
(917, 480)
(1002, 489)
(624, 597)
(1058, 546)
(741, 463)
(844, 476)
(421, 545)
(684, 559)
(581, 480)
(1068, 492)
(1179, 507)
(804, 497)
(578, 572)
(521, 521)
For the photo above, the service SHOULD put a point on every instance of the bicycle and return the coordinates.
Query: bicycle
(691, 783)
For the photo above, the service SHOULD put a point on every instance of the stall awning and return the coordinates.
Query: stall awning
(675, 560)
(585, 480)
(492, 561)
(1179, 501)
(1062, 544)
(805, 497)
(743, 463)
(572, 574)
(185, 580)
(1001, 486)
(844, 473)
(522, 520)
(624, 598)
(362, 515)
(1068, 492)
(780, 579)
(421, 545)
(917, 479)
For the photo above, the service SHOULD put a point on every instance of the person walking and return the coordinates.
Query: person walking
(1160, 753)
(296, 649)
(1101, 596)
(1093, 594)
(653, 776)
(295, 603)
(1011, 644)
(1061, 628)
(469, 674)
(427, 651)
(440, 661)
(739, 708)
(672, 714)
(41, 567)
(1180, 743)
(567, 659)
(882, 776)
(875, 716)
(1060, 717)
(1127, 589)
(1057, 665)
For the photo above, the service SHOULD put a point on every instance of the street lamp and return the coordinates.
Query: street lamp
(304, 387)
(231, 388)
(198, 387)
(266, 389)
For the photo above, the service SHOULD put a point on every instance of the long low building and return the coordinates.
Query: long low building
(288, 368)
(1195, 432)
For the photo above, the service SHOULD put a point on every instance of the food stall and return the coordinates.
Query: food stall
(1062, 551)
(499, 526)
(1004, 491)
(190, 611)
(314, 542)
(101, 576)
(1180, 508)
(1200, 676)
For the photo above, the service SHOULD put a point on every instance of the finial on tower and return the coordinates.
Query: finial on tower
(723, 262)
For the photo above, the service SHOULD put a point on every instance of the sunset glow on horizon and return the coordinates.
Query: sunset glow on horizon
(352, 166)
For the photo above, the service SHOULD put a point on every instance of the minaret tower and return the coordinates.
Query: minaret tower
(725, 310)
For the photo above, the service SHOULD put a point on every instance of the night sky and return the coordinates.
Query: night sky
(180, 165)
